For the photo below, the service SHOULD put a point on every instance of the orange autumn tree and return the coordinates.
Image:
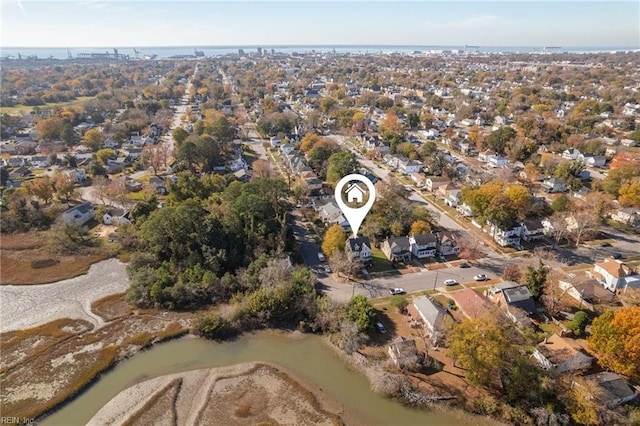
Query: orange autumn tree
(616, 338)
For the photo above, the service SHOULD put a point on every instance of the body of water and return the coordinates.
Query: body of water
(307, 357)
(166, 52)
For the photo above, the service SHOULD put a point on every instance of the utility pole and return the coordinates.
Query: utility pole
(435, 281)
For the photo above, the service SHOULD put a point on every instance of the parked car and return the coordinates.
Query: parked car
(465, 265)
(481, 277)
(616, 255)
(605, 245)
(450, 281)
(397, 290)
(321, 257)
(381, 328)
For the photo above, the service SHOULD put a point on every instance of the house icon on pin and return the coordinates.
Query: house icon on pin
(355, 194)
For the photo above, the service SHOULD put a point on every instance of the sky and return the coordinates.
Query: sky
(120, 23)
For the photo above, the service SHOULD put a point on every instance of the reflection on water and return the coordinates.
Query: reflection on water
(308, 358)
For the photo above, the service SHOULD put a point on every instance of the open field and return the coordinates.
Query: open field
(18, 109)
(25, 260)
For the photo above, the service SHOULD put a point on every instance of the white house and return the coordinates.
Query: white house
(423, 246)
(115, 216)
(532, 230)
(497, 161)
(507, 237)
(453, 198)
(629, 216)
(275, 142)
(426, 310)
(408, 167)
(613, 274)
(613, 389)
(287, 148)
(78, 175)
(554, 185)
(571, 154)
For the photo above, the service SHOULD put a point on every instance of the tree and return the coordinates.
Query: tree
(420, 227)
(479, 347)
(413, 120)
(65, 186)
(334, 240)
(155, 157)
(67, 134)
(49, 129)
(93, 139)
(339, 165)
(532, 172)
(536, 278)
(582, 403)
(103, 155)
(630, 193)
(179, 135)
(42, 188)
(582, 224)
(498, 139)
(512, 273)
(579, 323)
(262, 168)
(614, 335)
(361, 311)
(400, 303)
(561, 203)
(501, 212)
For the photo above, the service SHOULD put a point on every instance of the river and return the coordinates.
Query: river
(307, 357)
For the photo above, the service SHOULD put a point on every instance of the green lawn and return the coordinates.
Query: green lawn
(24, 108)
(379, 261)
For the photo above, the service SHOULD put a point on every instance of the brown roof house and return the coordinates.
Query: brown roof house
(559, 355)
(472, 304)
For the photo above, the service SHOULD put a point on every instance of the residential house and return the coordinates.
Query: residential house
(424, 245)
(408, 166)
(15, 162)
(243, 175)
(571, 154)
(614, 274)
(585, 291)
(593, 160)
(391, 160)
(115, 216)
(287, 148)
(432, 183)
(419, 179)
(443, 191)
(404, 354)
(20, 172)
(484, 156)
(78, 175)
(516, 301)
(110, 143)
(158, 184)
(331, 213)
(465, 210)
(39, 161)
(447, 244)
(532, 230)
(628, 216)
(613, 389)
(397, 249)
(554, 185)
(472, 304)
(275, 141)
(237, 164)
(313, 183)
(453, 198)
(497, 161)
(507, 237)
(559, 355)
(78, 215)
(433, 316)
(360, 247)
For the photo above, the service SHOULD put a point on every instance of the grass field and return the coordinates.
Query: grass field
(379, 261)
(24, 108)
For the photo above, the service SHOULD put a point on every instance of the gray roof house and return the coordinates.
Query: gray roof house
(614, 389)
(78, 215)
(433, 316)
(397, 248)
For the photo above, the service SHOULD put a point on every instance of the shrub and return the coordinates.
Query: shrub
(212, 326)
(579, 323)
(400, 303)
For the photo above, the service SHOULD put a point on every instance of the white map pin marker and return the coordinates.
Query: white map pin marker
(355, 216)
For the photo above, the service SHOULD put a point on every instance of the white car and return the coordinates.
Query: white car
(481, 277)
(450, 281)
(397, 290)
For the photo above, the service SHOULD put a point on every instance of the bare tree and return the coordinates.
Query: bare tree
(155, 157)
(583, 224)
(117, 191)
(263, 168)
(558, 222)
(101, 188)
(471, 247)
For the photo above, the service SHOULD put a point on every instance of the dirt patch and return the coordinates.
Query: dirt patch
(46, 365)
(112, 307)
(25, 260)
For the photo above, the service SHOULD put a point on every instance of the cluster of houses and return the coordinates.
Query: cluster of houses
(557, 353)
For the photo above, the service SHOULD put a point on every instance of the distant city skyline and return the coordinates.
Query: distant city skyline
(117, 23)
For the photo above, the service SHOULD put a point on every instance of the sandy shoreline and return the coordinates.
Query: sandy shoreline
(252, 393)
(23, 307)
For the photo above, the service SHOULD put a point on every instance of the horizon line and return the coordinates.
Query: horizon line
(234, 46)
